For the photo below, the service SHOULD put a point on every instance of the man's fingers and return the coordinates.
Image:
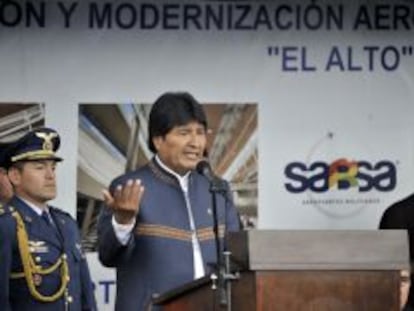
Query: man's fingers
(136, 191)
(126, 197)
(117, 193)
(127, 189)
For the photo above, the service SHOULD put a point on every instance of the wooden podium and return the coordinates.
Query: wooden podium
(305, 270)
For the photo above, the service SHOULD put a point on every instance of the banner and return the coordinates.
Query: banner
(332, 83)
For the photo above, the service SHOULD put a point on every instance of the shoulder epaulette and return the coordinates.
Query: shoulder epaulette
(59, 211)
(6, 209)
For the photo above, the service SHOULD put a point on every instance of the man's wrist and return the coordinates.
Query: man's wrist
(123, 232)
(123, 220)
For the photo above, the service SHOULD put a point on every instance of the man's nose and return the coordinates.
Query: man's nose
(50, 172)
(195, 140)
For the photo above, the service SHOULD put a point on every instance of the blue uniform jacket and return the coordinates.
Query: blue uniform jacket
(46, 244)
(159, 256)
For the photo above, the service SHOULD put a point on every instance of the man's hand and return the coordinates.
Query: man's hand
(125, 201)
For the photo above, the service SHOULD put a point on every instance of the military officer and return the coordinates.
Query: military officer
(6, 190)
(42, 266)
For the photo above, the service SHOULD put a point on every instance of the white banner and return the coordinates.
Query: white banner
(333, 82)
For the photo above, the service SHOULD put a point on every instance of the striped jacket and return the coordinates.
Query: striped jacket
(159, 257)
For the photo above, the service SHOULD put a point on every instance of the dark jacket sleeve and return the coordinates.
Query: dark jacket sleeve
(400, 215)
(394, 218)
(88, 302)
(7, 236)
(111, 252)
(88, 296)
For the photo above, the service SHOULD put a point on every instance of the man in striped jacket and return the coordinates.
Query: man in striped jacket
(162, 236)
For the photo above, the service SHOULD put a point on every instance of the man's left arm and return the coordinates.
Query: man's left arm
(7, 237)
(393, 218)
(88, 298)
(88, 302)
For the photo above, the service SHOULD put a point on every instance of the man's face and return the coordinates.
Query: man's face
(183, 147)
(35, 181)
(6, 189)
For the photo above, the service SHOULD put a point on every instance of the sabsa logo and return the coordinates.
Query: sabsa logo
(341, 174)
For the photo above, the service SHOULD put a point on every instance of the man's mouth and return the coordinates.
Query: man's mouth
(192, 155)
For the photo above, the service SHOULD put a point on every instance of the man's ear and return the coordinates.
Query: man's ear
(157, 142)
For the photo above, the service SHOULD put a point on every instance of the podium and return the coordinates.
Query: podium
(305, 270)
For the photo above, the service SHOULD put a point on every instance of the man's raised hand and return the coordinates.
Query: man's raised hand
(125, 201)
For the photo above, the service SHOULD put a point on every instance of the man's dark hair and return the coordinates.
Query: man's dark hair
(171, 110)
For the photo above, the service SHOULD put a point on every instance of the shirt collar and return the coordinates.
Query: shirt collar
(183, 180)
(35, 208)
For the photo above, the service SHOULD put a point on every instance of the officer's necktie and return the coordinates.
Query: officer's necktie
(46, 218)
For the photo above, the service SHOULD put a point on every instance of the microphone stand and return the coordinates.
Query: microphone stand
(218, 186)
(216, 225)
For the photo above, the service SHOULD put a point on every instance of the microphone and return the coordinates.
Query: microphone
(204, 168)
(216, 183)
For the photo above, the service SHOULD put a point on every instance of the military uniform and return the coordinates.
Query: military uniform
(42, 266)
(5, 187)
